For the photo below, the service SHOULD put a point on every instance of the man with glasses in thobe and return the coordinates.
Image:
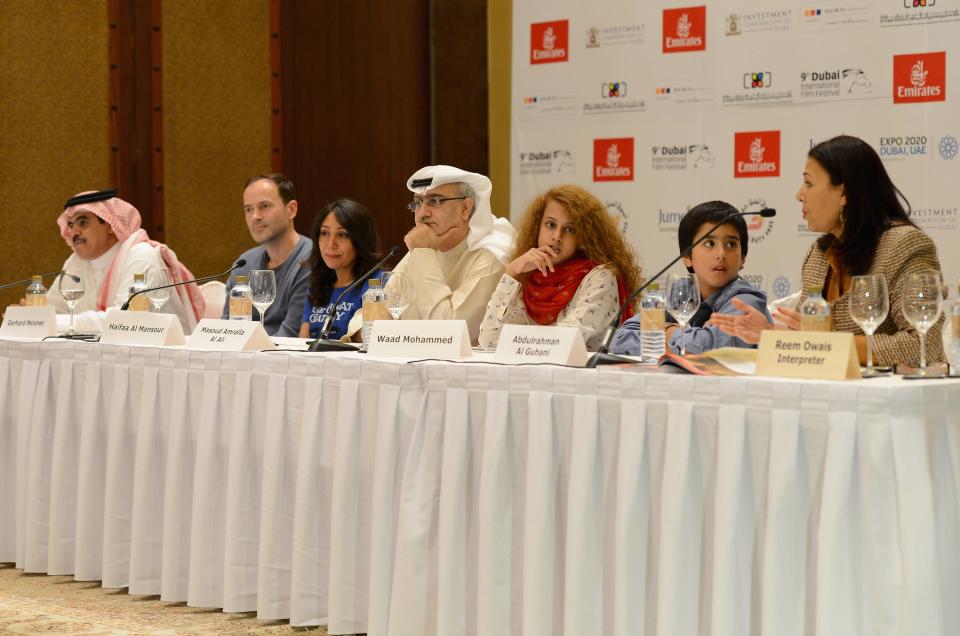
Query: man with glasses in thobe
(458, 248)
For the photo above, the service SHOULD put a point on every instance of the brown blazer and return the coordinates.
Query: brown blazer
(902, 250)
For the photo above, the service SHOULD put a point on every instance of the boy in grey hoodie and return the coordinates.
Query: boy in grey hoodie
(717, 262)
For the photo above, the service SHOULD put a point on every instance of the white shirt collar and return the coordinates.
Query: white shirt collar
(103, 261)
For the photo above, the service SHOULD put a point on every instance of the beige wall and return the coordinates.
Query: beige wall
(499, 69)
(216, 125)
(54, 125)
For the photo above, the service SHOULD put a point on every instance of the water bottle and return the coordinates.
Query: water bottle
(36, 295)
(652, 324)
(139, 302)
(241, 300)
(815, 312)
(374, 308)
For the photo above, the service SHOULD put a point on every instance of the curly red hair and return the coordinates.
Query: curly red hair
(597, 235)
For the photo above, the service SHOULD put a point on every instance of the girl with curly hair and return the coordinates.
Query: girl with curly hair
(345, 246)
(571, 268)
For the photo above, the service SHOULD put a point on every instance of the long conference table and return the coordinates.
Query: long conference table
(442, 498)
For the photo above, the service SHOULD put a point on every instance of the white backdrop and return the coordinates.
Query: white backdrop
(655, 107)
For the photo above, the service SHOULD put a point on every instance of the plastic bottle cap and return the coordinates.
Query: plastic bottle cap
(37, 279)
(242, 280)
(374, 282)
(815, 289)
(138, 278)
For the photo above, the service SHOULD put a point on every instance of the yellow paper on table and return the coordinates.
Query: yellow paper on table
(724, 361)
(815, 355)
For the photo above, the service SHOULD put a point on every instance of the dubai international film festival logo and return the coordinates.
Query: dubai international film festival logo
(859, 82)
(920, 77)
(548, 42)
(684, 29)
(613, 159)
(756, 154)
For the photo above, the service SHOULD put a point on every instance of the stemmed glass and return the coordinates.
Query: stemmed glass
(398, 294)
(263, 289)
(71, 288)
(869, 305)
(922, 302)
(683, 300)
(159, 297)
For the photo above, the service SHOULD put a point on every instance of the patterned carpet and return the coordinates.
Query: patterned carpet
(36, 603)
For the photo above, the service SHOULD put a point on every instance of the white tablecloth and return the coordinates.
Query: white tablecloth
(478, 499)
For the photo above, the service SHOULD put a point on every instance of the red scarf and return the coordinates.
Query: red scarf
(545, 296)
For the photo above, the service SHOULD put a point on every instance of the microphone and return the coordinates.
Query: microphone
(239, 263)
(75, 278)
(322, 343)
(603, 356)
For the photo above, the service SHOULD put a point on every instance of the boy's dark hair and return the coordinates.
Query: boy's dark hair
(711, 212)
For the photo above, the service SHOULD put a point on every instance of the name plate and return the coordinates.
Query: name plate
(29, 322)
(229, 335)
(446, 339)
(817, 355)
(520, 344)
(142, 328)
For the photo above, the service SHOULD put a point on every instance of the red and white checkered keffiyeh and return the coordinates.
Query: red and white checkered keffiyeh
(124, 220)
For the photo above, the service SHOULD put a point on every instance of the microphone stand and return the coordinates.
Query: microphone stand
(47, 275)
(126, 305)
(322, 343)
(603, 355)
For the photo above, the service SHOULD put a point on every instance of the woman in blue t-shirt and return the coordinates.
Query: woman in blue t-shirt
(345, 246)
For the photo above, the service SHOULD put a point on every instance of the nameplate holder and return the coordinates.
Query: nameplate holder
(813, 355)
(29, 322)
(444, 339)
(142, 328)
(213, 334)
(525, 344)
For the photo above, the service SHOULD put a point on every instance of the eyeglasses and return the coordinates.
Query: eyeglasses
(430, 202)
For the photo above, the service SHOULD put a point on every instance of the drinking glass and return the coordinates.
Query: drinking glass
(922, 302)
(869, 305)
(159, 297)
(683, 300)
(263, 289)
(71, 288)
(398, 294)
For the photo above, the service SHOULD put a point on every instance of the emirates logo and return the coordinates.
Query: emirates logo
(613, 159)
(920, 77)
(757, 154)
(684, 29)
